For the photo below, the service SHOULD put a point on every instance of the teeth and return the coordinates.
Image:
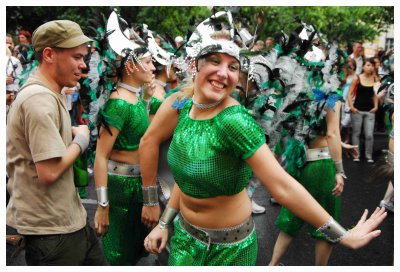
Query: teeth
(216, 84)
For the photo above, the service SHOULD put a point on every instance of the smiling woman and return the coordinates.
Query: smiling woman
(216, 146)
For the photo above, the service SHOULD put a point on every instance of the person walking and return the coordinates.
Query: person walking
(44, 205)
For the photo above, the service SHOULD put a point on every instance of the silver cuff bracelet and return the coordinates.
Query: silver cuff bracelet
(82, 141)
(167, 217)
(150, 195)
(333, 231)
(339, 168)
(102, 196)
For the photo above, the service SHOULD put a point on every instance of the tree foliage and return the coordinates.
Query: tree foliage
(342, 24)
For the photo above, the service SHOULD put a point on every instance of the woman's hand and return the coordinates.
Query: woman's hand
(374, 109)
(364, 231)
(151, 215)
(101, 220)
(337, 191)
(353, 110)
(351, 149)
(156, 241)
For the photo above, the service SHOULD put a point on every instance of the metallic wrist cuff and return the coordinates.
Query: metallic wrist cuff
(389, 158)
(339, 168)
(333, 231)
(167, 217)
(150, 196)
(102, 196)
(82, 141)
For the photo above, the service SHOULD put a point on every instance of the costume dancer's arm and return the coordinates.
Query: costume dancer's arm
(334, 144)
(104, 147)
(156, 241)
(161, 128)
(288, 192)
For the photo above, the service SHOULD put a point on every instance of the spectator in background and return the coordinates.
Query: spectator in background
(364, 107)
(10, 42)
(258, 46)
(380, 69)
(178, 42)
(24, 36)
(357, 56)
(13, 70)
(269, 43)
(350, 75)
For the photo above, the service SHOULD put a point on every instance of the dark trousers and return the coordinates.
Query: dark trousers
(78, 248)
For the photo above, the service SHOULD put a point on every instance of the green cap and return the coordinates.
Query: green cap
(59, 33)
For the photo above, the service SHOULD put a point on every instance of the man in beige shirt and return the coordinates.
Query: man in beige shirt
(41, 148)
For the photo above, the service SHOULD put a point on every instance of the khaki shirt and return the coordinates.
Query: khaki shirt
(39, 128)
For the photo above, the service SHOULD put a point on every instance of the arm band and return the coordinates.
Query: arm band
(102, 196)
(333, 231)
(339, 168)
(82, 141)
(150, 196)
(167, 217)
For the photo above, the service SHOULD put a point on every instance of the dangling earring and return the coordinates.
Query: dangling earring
(133, 59)
(127, 70)
(192, 64)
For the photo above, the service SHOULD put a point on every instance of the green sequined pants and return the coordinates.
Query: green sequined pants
(123, 243)
(188, 251)
(318, 177)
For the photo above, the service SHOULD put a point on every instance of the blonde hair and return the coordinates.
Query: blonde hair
(187, 90)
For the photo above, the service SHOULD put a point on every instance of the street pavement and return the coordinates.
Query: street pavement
(358, 195)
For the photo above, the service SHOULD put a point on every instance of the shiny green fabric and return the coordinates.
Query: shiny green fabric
(154, 105)
(187, 251)
(318, 177)
(131, 120)
(123, 243)
(207, 157)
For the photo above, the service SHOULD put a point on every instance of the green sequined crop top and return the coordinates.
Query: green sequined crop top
(131, 120)
(154, 105)
(207, 157)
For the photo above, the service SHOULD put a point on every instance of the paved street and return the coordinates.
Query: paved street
(358, 194)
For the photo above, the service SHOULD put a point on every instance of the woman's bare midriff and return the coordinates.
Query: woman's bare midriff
(217, 212)
(319, 141)
(125, 156)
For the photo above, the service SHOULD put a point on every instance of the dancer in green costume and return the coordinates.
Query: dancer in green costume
(215, 147)
(116, 168)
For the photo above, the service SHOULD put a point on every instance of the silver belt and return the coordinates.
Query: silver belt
(224, 236)
(315, 154)
(123, 169)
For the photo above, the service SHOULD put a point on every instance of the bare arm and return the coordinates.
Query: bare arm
(334, 143)
(104, 147)
(49, 171)
(161, 128)
(350, 94)
(285, 189)
(292, 195)
(103, 151)
(156, 241)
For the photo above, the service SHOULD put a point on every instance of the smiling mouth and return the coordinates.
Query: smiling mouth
(217, 84)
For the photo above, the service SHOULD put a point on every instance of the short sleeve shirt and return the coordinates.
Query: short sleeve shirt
(39, 128)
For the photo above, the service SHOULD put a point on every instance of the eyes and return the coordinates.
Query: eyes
(215, 60)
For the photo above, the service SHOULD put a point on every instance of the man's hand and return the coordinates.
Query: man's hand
(81, 129)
